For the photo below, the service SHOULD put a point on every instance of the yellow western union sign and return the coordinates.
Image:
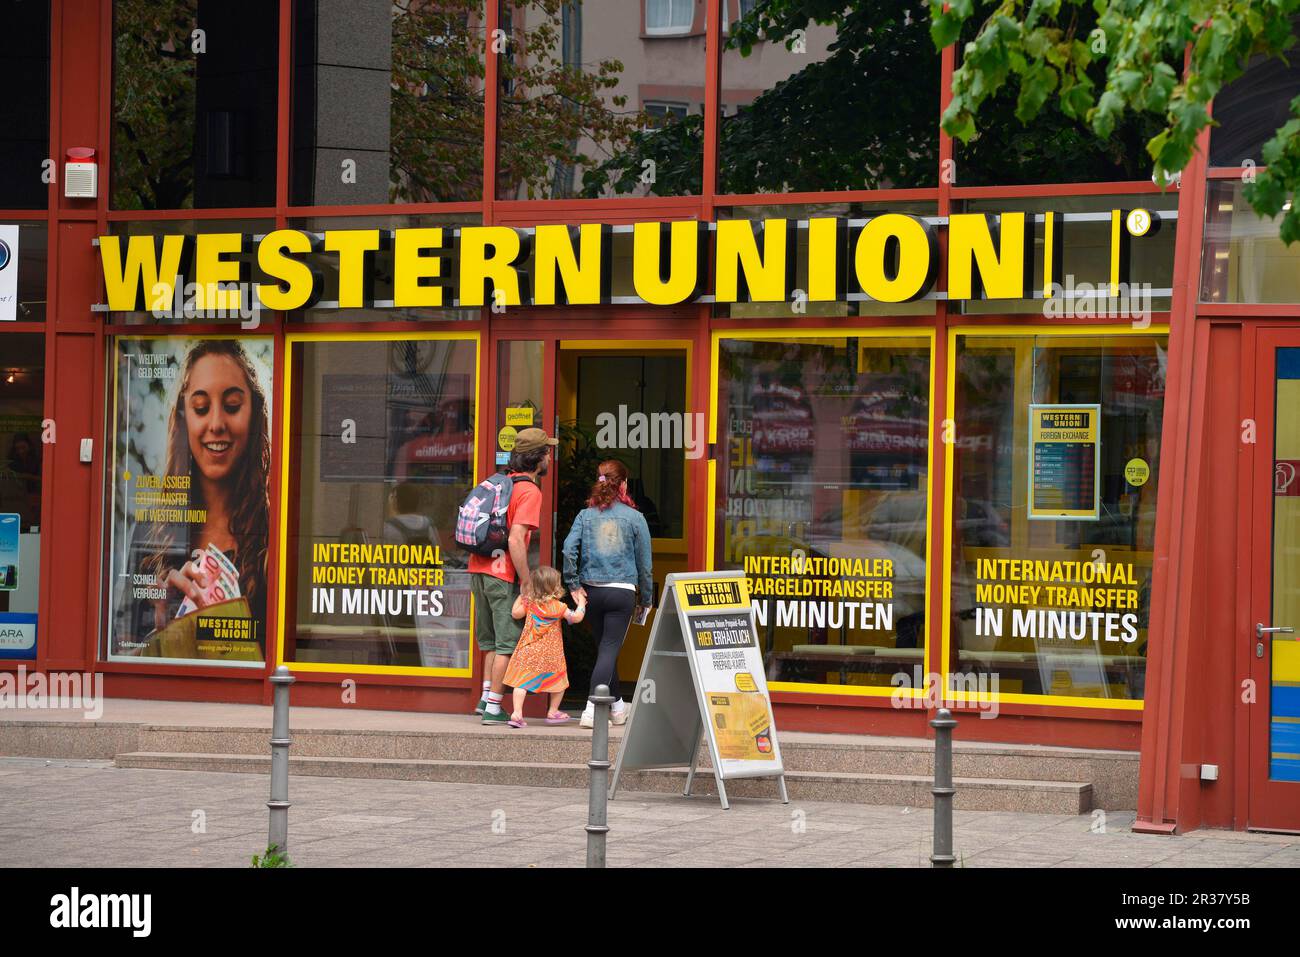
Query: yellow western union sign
(891, 257)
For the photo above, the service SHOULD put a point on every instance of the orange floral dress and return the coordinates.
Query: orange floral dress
(538, 662)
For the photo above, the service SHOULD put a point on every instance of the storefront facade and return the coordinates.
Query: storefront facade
(954, 413)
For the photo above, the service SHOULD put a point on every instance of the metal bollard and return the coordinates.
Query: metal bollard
(599, 764)
(943, 790)
(279, 803)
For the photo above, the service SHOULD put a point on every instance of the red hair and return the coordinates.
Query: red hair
(610, 487)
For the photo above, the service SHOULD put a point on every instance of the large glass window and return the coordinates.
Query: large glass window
(822, 498)
(25, 107)
(388, 102)
(195, 94)
(1055, 457)
(188, 499)
(382, 438)
(593, 106)
(1243, 260)
(1250, 109)
(849, 103)
(1053, 147)
(22, 396)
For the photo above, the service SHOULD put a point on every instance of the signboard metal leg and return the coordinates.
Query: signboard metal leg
(780, 783)
(690, 775)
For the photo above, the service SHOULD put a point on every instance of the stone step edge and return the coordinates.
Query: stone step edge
(847, 776)
(923, 745)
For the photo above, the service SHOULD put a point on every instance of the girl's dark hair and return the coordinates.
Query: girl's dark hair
(250, 518)
(612, 488)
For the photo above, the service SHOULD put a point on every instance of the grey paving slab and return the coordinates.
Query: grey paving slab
(88, 814)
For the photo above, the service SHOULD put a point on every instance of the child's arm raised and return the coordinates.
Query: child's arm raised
(520, 607)
(573, 617)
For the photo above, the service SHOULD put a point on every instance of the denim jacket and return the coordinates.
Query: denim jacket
(614, 544)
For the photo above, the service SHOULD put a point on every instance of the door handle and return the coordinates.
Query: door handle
(1261, 631)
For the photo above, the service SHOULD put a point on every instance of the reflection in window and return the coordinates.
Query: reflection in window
(826, 460)
(388, 102)
(1054, 606)
(1053, 147)
(591, 106)
(850, 103)
(383, 434)
(669, 16)
(25, 107)
(194, 103)
(1250, 109)
(1243, 259)
(22, 396)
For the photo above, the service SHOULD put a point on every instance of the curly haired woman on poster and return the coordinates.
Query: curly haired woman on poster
(218, 456)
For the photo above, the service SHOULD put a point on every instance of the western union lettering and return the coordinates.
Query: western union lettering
(891, 257)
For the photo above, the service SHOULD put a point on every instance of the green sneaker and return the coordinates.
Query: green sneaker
(481, 707)
(501, 717)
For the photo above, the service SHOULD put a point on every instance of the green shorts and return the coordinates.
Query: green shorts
(494, 628)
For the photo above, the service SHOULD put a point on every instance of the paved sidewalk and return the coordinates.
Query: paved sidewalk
(90, 814)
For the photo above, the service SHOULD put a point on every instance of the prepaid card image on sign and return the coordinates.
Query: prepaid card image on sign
(1064, 462)
(726, 652)
(188, 499)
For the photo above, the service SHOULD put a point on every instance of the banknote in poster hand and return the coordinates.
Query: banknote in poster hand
(215, 575)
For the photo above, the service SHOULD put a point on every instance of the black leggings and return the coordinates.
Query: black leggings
(609, 611)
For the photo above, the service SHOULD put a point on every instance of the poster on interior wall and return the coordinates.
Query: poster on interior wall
(8, 273)
(1065, 462)
(188, 499)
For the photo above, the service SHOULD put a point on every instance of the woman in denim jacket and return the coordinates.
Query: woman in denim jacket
(607, 561)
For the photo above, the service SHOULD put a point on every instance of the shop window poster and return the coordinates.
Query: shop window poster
(188, 499)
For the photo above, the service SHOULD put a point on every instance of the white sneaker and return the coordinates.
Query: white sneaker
(619, 717)
(588, 719)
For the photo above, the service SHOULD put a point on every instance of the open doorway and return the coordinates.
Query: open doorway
(605, 399)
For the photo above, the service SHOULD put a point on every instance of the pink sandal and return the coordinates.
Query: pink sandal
(558, 717)
(517, 723)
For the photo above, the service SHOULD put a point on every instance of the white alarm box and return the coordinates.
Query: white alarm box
(80, 180)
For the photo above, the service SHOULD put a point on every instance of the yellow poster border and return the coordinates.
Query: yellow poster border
(945, 647)
(322, 667)
(920, 333)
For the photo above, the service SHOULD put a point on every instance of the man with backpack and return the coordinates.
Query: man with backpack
(497, 534)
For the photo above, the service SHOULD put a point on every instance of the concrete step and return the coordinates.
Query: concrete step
(973, 794)
(1112, 774)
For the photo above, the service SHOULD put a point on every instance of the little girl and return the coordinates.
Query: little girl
(538, 662)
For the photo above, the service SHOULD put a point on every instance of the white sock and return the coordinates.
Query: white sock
(487, 686)
(494, 703)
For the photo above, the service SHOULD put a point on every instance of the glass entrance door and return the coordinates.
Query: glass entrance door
(1275, 590)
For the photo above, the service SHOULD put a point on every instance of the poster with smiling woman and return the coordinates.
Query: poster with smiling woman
(188, 499)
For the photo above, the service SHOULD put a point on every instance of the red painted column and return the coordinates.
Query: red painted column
(74, 398)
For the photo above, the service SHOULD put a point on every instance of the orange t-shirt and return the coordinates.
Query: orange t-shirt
(525, 509)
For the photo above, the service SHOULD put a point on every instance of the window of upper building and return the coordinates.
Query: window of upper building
(25, 107)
